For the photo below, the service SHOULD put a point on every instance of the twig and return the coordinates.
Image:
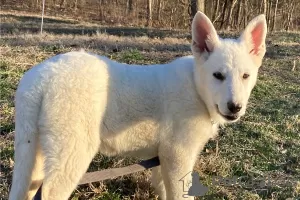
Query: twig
(294, 66)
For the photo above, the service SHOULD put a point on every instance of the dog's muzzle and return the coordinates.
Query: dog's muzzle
(231, 117)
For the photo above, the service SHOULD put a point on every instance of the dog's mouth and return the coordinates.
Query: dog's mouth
(227, 117)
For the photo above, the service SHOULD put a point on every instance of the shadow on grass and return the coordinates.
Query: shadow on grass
(284, 36)
(118, 31)
(278, 109)
(36, 19)
(282, 51)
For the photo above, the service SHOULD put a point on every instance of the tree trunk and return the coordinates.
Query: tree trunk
(159, 10)
(260, 5)
(265, 7)
(229, 18)
(289, 14)
(216, 13)
(129, 7)
(31, 4)
(62, 4)
(289, 22)
(208, 5)
(100, 9)
(224, 14)
(37, 4)
(149, 13)
(237, 22)
(274, 17)
(245, 13)
(75, 5)
(269, 13)
(196, 5)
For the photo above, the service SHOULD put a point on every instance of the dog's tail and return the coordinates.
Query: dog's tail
(27, 107)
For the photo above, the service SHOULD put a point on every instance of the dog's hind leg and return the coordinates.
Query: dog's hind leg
(26, 156)
(37, 174)
(66, 160)
(158, 184)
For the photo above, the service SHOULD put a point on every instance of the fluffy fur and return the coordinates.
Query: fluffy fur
(74, 105)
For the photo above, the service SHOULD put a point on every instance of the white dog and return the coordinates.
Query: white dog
(74, 105)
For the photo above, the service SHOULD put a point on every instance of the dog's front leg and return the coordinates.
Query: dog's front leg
(176, 163)
(178, 151)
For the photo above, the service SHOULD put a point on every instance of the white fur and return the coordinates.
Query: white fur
(73, 105)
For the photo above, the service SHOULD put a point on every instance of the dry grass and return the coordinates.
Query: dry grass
(99, 41)
(266, 143)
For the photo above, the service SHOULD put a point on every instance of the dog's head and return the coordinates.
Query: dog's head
(226, 69)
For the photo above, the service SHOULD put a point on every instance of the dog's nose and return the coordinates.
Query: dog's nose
(234, 107)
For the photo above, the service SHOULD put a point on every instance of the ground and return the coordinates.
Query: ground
(264, 145)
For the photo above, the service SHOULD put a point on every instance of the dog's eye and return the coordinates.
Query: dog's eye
(219, 76)
(245, 76)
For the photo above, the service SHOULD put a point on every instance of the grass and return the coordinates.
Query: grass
(264, 144)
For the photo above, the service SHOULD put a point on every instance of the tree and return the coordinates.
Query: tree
(229, 18)
(238, 15)
(291, 5)
(265, 7)
(149, 12)
(269, 13)
(62, 3)
(224, 14)
(216, 13)
(159, 10)
(245, 13)
(195, 6)
(129, 6)
(274, 16)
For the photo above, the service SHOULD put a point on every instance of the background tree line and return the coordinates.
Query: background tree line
(225, 14)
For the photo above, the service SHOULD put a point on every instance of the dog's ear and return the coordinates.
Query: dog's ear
(204, 35)
(254, 37)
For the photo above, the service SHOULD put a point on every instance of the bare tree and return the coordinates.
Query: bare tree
(62, 3)
(100, 9)
(75, 5)
(238, 14)
(159, 8)
(149, 12)
(269, 13)
(265, 7)
(291, 4)
(229, 17)
(195, 6)
(245, 13)
(224, 14)
(216, 13)
(209, 8)
(274, 16)
(129, 6)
